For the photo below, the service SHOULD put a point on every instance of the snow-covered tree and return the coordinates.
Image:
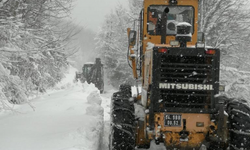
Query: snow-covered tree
(32, 47)
(226, 25)
(134, 8)
(112, 41)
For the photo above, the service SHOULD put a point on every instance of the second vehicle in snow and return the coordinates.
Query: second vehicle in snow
(92, 73)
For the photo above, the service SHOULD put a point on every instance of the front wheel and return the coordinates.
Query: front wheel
(122, 131)
(239, 125)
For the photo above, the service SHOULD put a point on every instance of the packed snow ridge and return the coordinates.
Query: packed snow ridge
(69, 117)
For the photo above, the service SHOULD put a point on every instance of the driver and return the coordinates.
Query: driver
(153, 18)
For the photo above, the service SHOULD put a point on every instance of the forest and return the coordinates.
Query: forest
(32, 47)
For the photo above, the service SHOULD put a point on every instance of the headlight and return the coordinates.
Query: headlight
(173, 2)
(174, 43)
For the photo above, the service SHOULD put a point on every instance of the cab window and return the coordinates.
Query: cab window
(177, 14)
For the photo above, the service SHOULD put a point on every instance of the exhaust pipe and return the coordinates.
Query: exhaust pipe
(164, 25)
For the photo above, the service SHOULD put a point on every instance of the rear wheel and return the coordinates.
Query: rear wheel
(217, 146)
(122, 134)
(239, 123)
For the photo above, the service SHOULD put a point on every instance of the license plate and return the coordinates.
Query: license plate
(172, 120)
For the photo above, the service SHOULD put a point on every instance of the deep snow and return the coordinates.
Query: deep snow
(68, 118)
(73, 116)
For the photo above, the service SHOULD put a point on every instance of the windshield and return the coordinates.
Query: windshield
(86, 69)
(177, 14)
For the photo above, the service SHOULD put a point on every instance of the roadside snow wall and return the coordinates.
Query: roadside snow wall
(237, 83)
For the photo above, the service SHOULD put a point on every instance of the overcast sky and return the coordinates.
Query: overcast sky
(91, 13)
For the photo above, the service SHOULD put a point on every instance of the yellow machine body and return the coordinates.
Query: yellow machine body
(198, 125)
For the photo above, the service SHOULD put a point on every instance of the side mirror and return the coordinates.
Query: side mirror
(200, 40)
(132, 38)
(201, 37)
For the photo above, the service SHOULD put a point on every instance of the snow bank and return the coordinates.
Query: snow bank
(237, 83)
(95, 101)
(67, 119)
(68, 80)
(92, 132)
(89, 88)
(94, 98)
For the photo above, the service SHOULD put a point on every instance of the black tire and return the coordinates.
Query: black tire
(239, 124)
(217, 146)
(122, 134)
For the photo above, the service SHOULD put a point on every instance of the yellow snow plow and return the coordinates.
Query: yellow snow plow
(180, 81)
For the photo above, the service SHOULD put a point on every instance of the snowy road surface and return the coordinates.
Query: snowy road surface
(63, 120)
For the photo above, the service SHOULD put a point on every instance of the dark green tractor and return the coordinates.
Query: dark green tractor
(92, 73)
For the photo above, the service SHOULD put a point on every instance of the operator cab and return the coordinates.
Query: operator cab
(172, 23)
(86, 71)
(176, 15)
